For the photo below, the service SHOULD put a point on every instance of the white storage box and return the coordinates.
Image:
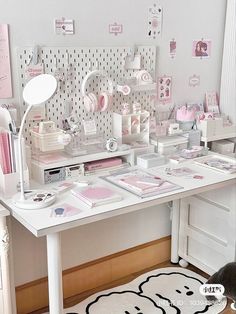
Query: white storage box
(46, 142)
(233, 140)
(169, 145)
(207, 127)
(223, 147)
(150, 160)
(214, 127)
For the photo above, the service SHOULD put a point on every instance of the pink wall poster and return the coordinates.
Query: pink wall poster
(164, 89)
(5, 67)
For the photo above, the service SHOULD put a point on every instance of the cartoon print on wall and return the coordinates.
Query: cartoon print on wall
(172, 48)
(63, 26)
(164, 89)
(154, 21)
(194, 80)
(201, 48)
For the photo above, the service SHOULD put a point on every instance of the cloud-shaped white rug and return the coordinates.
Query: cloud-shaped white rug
(168, 290)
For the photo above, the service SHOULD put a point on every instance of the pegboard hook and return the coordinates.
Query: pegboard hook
(34, 55)
(133, 52)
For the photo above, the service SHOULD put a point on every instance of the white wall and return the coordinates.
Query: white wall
(31, 22)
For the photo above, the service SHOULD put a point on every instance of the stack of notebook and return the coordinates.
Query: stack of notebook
(96, 195)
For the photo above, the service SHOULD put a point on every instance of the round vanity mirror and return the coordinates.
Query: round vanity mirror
(39, 89)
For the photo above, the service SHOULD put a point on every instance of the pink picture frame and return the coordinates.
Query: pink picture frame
(164, 89)
(201, 48)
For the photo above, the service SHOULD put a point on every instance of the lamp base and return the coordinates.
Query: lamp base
(34, 199)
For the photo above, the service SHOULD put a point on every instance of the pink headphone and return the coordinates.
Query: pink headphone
(104, 100)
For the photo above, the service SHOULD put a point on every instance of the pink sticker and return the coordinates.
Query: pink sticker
(194, 80)
(65, 210)
(172, 48)
(115, 29)
(5, 67)
(198, 177)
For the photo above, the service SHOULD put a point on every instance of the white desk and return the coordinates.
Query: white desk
(40, 223)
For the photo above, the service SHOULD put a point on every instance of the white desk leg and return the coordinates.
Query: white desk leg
(54, 274)
(8, 305)
(175, 231)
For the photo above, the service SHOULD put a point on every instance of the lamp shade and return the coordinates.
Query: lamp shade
(39, 89)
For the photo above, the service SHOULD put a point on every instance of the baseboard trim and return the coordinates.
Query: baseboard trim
(34, 295)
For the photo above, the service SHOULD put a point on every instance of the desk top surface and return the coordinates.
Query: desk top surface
(41, 222)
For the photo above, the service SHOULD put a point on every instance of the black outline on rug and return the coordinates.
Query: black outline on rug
(178, 311)
(160, 296)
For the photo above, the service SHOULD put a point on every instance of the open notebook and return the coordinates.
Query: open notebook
(96, 194)
(141, 183)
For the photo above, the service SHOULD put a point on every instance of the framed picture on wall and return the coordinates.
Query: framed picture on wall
(164, 89)
(212, 103)
(201, 48)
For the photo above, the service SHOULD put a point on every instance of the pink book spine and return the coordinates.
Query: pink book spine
(104, 164)
(5, 158)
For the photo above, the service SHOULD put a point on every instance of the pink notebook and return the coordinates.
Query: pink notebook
(5, 157)
(96, 194)
(141, 183)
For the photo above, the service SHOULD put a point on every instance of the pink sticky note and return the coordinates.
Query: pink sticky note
(5, 67)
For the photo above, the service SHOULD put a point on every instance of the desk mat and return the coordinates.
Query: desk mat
(168, 290)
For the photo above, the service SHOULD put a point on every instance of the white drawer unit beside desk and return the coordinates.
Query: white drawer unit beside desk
(41, 223)
(207, 233)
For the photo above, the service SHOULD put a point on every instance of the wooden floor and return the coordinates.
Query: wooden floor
(78, 298)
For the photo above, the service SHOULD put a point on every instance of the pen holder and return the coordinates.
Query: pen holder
(10, 182)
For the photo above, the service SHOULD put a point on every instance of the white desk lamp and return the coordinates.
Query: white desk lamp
(38, 90)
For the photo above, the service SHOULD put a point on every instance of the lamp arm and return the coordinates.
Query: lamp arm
(22, 195)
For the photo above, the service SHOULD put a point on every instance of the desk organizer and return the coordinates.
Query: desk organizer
(10, 183)
(85, 144)
(131, 127)
(46, 142)
(222, 147)
(169, 145)
(73, 167)
(150, 160)
(214, 127)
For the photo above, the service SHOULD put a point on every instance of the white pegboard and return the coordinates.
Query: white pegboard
(75, 63)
